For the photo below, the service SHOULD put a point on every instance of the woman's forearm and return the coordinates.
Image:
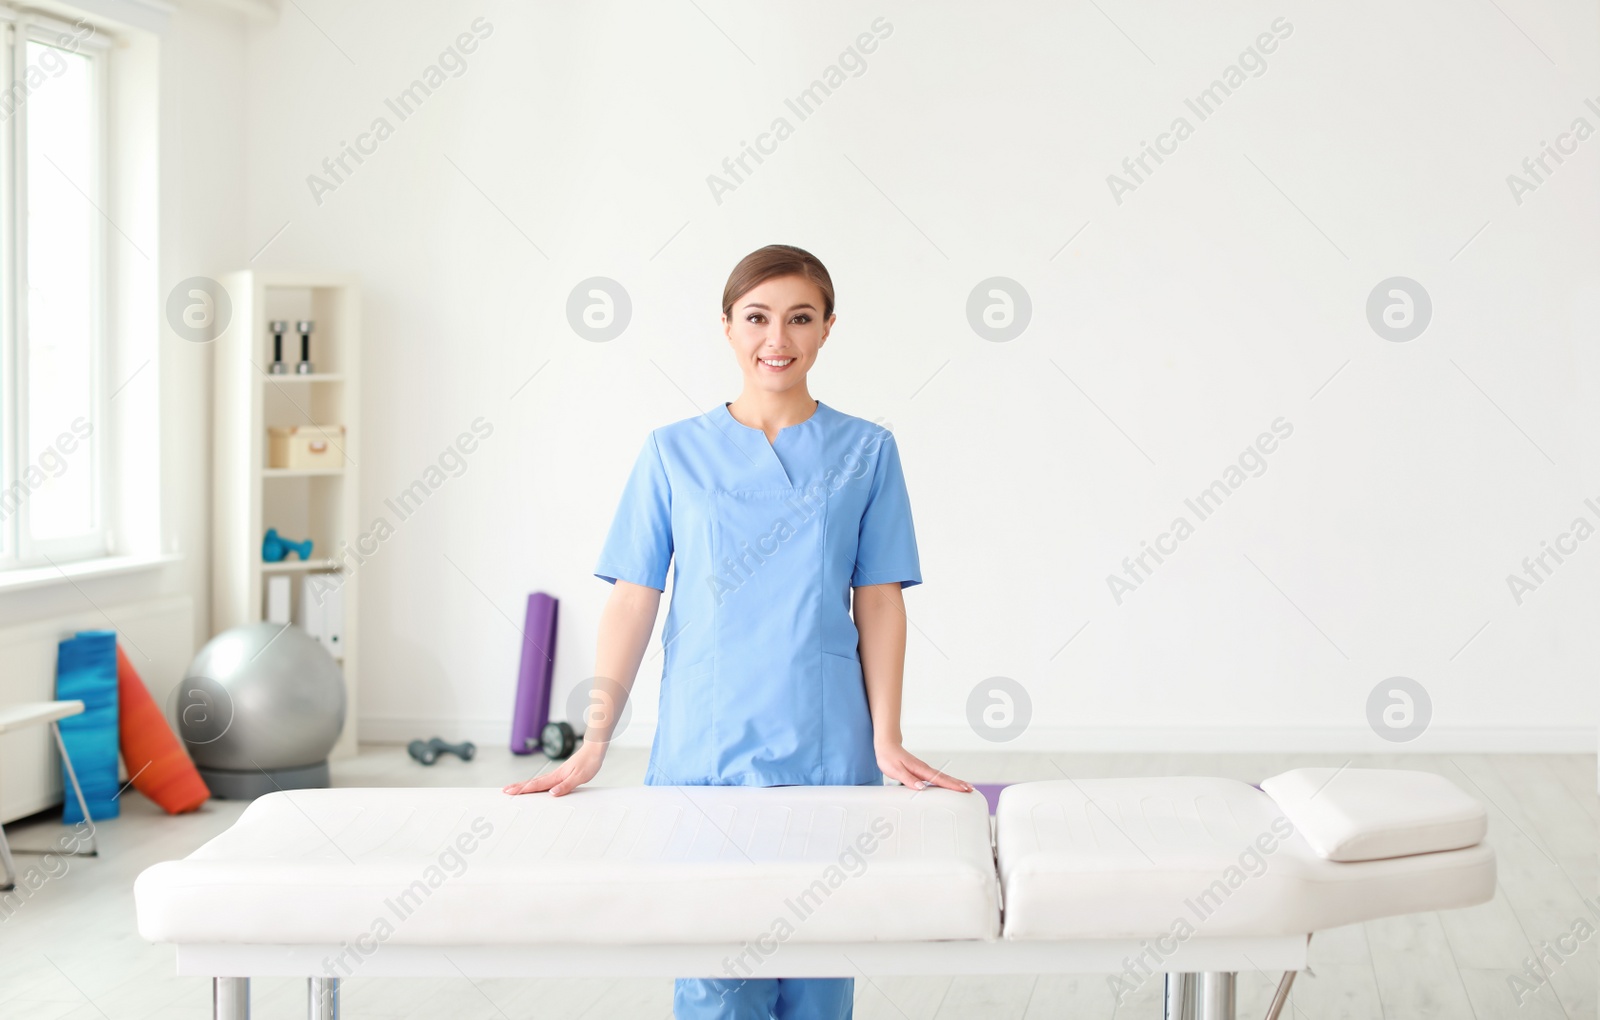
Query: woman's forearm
(625, 625)
(880, 615)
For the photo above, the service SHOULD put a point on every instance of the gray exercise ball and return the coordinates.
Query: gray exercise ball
(259, 709)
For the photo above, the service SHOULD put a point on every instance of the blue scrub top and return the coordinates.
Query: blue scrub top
(761, 683)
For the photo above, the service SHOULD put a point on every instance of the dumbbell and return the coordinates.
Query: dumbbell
(557, 740)
(427, 751)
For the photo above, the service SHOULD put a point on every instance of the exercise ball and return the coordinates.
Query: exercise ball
(259, 709)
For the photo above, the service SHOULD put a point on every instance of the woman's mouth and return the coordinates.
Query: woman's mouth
(775, 364)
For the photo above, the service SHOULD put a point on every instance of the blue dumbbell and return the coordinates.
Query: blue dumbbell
(275, 548)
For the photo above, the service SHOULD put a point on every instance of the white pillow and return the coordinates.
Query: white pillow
(1368, 814)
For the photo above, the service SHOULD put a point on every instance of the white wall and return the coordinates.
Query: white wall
(1227, 290)
(195, 73)
(204, 174)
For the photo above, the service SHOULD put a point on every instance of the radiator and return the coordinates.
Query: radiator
(158, 637)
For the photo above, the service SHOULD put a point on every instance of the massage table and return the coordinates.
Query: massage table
(1185, 880)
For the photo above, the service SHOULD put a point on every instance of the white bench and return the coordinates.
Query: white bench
(1191, 878)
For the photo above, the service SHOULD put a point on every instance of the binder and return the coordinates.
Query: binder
(332, 635)
(278, 598)
(310, 612)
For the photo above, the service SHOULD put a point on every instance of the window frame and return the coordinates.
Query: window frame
(19, 549)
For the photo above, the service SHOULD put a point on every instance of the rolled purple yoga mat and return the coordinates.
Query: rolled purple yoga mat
(991, 793)
(533, 679)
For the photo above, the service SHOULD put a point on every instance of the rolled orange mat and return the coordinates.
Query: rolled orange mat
(153, 754)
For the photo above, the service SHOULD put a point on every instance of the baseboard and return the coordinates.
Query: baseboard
(403, 730)
(1102, 739)
(1266, 740)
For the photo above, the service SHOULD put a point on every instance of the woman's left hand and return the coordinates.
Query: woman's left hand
(899, 764)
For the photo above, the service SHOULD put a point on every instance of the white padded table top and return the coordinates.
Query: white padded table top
(616, 865)
(1186, 856)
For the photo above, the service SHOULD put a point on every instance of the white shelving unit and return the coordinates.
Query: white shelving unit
(250, 497)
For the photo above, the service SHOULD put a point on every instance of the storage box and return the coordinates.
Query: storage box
(305, 446)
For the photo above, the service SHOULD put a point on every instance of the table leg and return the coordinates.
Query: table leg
(322, 998)
(77, 790)
(1281, 996)
(230, 998)
(1215, 1000)
(1180, 997)
(5, 862)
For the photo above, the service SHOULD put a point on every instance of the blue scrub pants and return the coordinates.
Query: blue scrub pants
(765, 998)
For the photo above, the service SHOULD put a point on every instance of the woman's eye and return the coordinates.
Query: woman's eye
(802, 318)
(753, 317)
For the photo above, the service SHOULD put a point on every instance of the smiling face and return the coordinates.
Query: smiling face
(776, 331)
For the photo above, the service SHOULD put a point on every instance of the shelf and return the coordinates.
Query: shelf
(322, 499)
(297, 566)
(267, 377)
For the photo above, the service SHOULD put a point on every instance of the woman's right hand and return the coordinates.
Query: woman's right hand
(572, 773)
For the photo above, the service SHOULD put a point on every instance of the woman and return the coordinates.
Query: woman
(776, 507)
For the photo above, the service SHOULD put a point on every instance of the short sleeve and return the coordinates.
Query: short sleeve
(639, 545)
(887, 549)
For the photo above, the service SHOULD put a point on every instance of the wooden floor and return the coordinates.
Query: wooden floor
(71, 952)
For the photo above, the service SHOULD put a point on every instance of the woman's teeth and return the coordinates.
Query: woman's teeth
(776, 364)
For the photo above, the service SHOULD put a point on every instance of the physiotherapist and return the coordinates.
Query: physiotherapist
(788, 526)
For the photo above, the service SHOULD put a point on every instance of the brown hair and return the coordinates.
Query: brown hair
(774, 260)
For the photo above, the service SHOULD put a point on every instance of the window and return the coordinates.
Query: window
(53, 396)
